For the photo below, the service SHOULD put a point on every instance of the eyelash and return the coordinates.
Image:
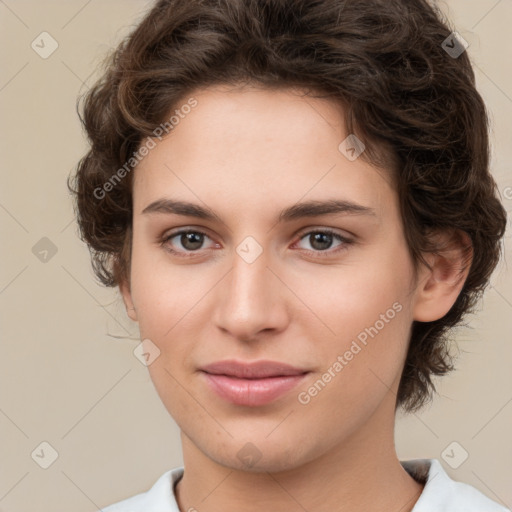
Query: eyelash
(328, 252)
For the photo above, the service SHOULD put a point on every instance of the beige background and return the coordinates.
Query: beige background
(68, 374)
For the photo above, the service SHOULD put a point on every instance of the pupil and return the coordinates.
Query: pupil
(321, 237)
(192, 238)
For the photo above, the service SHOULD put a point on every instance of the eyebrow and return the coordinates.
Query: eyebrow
(296, 211)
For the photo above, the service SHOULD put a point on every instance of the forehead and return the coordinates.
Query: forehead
(256, 148)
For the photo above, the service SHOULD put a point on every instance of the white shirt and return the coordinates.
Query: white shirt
(440, 494)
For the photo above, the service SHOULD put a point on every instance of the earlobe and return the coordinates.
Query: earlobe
(439, 286)
(124, 288)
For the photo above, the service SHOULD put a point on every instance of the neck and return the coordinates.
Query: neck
(359, 473)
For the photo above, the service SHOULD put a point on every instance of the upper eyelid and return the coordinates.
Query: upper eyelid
(177, 231)
(335, 231)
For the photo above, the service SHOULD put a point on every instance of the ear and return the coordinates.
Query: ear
(439, 286)
(124, 288)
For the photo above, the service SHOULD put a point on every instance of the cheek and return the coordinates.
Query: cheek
(353, 297)
(362, 362)
(368, 314)
(162, 293)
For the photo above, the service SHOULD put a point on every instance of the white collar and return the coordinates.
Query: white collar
(440, 494)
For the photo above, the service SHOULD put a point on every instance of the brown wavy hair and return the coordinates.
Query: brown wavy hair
(383, 60)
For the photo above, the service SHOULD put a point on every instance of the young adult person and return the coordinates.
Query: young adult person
(294, 199)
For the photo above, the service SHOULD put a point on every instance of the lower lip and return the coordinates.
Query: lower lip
(252, 392)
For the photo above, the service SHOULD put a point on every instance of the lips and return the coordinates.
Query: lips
(251, 384)
(254, 370)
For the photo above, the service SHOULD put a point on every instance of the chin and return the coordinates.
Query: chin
(261, 455)
(276, 463)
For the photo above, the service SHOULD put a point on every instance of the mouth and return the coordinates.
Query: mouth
(252, 384)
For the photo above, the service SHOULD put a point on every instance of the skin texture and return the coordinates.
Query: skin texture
(247, 154)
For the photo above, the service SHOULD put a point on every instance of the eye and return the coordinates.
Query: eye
(191, 241)
(322, 239)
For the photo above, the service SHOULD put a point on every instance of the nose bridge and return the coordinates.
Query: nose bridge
(250, 298)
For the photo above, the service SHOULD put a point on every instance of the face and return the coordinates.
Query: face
(326, 289)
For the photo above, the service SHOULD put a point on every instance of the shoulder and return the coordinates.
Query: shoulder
(160, 498)
(443, 494)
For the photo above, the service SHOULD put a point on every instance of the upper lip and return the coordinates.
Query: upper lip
(251, 370)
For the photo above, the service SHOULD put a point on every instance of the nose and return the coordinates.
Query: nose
(252, 299)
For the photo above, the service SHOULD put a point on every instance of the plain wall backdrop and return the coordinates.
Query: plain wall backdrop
(68, 374)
